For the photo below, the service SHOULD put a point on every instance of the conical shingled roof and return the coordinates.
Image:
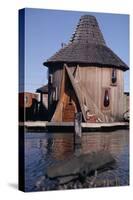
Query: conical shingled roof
(87, 46)
(87, 31)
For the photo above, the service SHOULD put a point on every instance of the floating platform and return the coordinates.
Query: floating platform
(69, 126)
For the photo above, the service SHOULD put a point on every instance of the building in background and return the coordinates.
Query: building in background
(28, 106)
(42, 103)
(33, 106)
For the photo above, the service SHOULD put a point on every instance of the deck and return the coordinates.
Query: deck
(69, 126)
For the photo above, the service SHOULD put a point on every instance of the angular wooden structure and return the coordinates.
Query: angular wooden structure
(86, 76)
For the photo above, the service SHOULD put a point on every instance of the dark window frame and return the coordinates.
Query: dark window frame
(113, 70)
(106, 108)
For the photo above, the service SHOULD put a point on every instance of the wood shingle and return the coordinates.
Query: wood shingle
(87, 46)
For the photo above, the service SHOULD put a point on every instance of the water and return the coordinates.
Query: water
(44, 149)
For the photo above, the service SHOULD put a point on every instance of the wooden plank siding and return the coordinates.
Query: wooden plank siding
(95, 79)
(91, 81)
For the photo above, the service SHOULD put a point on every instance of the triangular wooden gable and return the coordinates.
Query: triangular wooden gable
(76, 88)
(58, 112)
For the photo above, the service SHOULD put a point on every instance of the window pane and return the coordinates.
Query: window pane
(114, 78)
(106, 98)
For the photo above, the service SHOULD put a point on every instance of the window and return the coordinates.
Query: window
(106, 98)
(113, 77)
(55, 94)
(50, 78)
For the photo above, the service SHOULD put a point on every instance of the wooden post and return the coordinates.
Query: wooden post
(77, 124)
(77, 132)
(41, 98)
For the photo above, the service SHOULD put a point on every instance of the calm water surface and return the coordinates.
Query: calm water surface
(44, 149)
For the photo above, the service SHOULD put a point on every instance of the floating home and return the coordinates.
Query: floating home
(86, 76)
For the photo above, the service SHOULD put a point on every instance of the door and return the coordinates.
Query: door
(68, 112)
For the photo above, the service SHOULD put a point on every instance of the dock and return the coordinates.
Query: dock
(69, 126)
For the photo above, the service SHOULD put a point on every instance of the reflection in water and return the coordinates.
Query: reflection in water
(43, 149)
(114, 142)
(62, 146)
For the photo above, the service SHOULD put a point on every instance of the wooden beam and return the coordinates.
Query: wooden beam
(77, 90)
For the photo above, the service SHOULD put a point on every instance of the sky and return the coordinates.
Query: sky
(45, 30)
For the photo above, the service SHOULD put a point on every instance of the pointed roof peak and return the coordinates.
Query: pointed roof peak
(87, 46)
(88, 31)
(87, 17)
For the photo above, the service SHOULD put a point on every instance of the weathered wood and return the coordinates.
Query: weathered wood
(68, 113)
(94, 80)
(77, 133)
(70, 99)
(89, 83)
(77, 124)
(81, 165)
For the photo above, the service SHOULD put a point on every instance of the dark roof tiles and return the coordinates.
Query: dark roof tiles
(88, 46)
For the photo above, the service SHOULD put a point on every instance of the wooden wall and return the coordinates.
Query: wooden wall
(126, 103)
(93, 81)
